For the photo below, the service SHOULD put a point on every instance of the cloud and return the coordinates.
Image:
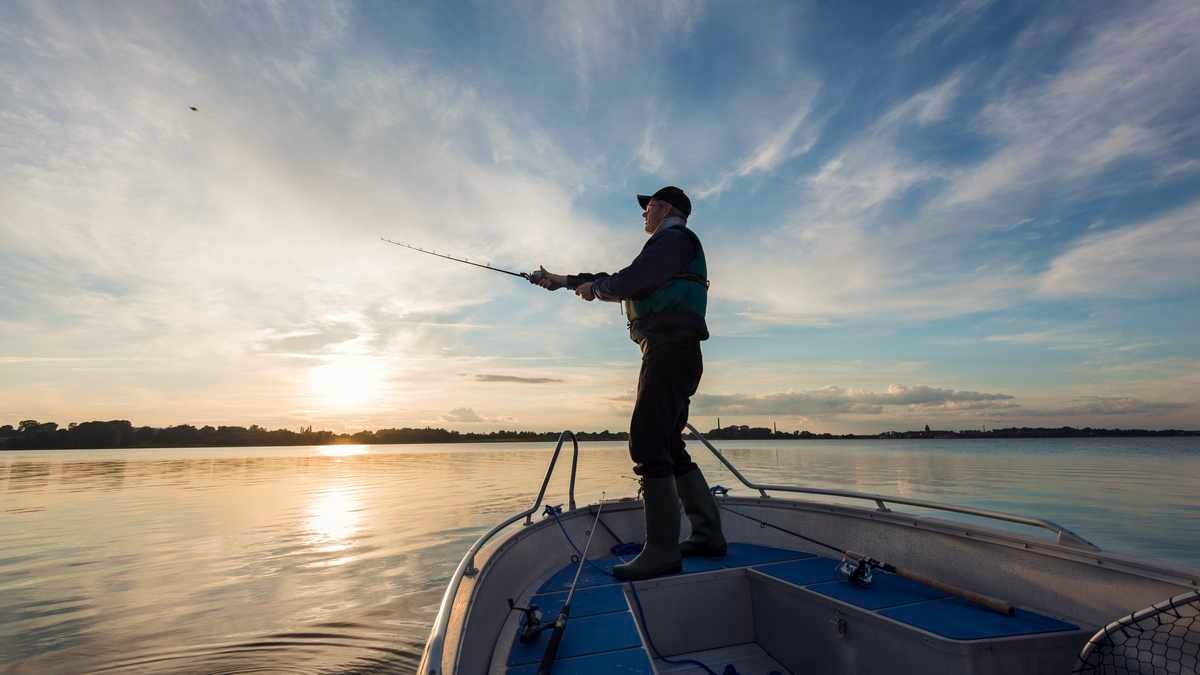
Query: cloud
(487, 377)
(1110, 405)
(948, 23)
(1143, 260)
(600, 38)
(933, 105)
(844, 252)
(309, 341)
(793, 138)
(1121, 95)
(830, 401)
(464, 415)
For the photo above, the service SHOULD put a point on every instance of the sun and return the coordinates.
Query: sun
(347, 382)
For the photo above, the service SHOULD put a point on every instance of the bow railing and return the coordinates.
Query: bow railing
(1062, 535)
(466, 568)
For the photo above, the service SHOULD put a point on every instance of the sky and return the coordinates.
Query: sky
(963, 214)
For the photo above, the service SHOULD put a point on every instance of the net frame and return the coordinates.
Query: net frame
(1161, 639)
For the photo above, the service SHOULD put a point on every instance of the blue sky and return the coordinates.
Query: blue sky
(960, 214)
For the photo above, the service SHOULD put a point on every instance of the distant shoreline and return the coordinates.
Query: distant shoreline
(32, 435)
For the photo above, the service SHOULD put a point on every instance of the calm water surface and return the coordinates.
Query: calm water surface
(333, 559)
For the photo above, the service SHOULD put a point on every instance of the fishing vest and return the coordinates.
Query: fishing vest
(686, 291)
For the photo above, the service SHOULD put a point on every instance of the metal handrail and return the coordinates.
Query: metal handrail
(1063, 535)
(466, 567)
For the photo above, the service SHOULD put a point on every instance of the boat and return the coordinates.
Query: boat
(860, 583)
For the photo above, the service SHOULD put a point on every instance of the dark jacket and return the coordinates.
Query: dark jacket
(666, 253)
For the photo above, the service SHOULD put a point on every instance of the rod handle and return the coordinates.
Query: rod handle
(995, 604)
(551, 648)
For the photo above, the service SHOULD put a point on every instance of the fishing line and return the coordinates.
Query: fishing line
(523, 275)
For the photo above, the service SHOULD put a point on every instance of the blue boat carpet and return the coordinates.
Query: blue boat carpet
(582, 636)
(623, 662)
(810, 570)
(886, 590)
(958, 619)
(587, 602)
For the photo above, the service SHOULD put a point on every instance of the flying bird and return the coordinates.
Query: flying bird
(193, 107)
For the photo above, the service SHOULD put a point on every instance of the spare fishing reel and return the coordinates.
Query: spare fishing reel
(857, 571)
(531, 625)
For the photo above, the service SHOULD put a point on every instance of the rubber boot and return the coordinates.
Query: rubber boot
(660, 553)
(702, 510)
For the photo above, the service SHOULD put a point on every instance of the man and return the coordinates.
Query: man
(664, 291)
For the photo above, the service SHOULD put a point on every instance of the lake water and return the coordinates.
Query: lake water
(334, 558)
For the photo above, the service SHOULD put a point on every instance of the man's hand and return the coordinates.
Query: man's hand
(585, 291)
(547, 280)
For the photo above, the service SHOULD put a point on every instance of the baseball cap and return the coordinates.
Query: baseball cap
(671, 195)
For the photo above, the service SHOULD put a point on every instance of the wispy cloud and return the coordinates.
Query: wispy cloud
(601, 37)
(1151, 259)
(795, 137)
(941, 25)
(488, 377)
(1109, 405)
(829, 401)
(842, 254)
(1055, 132)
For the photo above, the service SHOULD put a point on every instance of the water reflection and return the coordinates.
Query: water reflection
(334, 558)
(342, 450)
(334, 515)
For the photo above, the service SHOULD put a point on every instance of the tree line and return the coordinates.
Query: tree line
(34, 435)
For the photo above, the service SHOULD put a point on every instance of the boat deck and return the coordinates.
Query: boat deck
(607, 634)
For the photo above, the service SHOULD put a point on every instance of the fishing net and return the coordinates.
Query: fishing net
(1163, 638)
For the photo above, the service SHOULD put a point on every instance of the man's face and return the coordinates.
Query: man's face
(654, 214)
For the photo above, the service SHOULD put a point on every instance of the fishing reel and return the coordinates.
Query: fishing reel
(857, 571)
(532, 625)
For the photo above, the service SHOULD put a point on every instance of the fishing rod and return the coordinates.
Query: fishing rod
(560, 623)
(858, 567)
(523, 275)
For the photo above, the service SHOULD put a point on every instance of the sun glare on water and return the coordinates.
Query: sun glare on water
(334, 515)
(341, 450)
(346, 383)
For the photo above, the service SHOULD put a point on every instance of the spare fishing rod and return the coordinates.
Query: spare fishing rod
(560, 623)
(858, 568)
(524, 275)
